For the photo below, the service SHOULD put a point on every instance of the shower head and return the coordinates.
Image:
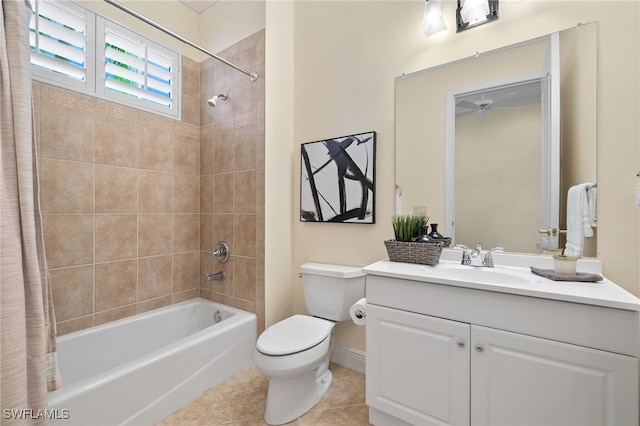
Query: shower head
(214, 100)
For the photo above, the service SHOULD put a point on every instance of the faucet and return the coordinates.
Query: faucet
(475, 258)
(218, 276)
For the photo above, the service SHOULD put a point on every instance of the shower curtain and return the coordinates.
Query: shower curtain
(27, 324)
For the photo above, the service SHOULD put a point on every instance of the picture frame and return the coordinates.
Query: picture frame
(337, 179)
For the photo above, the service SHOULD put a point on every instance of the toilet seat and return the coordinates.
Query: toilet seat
(294, 334)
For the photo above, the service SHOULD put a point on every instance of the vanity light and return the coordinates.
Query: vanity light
(433, 22)
(471, 13)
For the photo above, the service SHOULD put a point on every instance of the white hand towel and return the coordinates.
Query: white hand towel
(579, 218)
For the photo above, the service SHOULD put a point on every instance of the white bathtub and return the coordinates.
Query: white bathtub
(140, 369)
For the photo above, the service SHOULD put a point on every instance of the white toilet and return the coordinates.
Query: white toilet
(295, 352)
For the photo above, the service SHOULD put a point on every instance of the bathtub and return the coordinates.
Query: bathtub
(140, 369)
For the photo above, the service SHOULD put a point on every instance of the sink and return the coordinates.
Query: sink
(472, 274)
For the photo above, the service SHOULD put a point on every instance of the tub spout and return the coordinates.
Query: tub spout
(218, 276)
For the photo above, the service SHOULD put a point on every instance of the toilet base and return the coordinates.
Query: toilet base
(290, 397)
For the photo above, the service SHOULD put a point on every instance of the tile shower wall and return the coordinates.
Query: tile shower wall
(120, 203)
(232, 176)
(134, 202)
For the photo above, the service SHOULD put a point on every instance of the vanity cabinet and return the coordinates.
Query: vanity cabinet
(440, 354)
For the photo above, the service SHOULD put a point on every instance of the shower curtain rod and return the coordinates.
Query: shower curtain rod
(252, 75)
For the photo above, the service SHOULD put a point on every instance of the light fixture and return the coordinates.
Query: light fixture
(433, 22)
(471, 13)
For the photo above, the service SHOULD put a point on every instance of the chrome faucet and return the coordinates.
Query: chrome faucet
(475, 258)
(218, 276)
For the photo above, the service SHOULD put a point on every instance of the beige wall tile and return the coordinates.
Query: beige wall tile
(191, 109)
(246, 97)
(68, 240)
(190, 77)
(244, 278)
(155, 277)
(70, 133)
(116, 189)
(115, 314)
(72, 292)
(223, 184)
(244, 149)
(244, 235)
(185, 271)
(155, 150)
(186, 152)
(244, 196)
(186, 232)
(155, 233)
(184, 295)
(66, 327)
(116, 284)
(151, 304)
(224, 151)
(207, 154)
(206, 232)
(116, 237)
(154, 192)
(186, 194)
(116, 141)
(66, 186)
(207, 194)
(223, 229)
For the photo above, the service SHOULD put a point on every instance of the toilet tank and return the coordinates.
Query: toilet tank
(330, 290)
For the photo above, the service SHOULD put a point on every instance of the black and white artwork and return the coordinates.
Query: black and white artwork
(337, 179)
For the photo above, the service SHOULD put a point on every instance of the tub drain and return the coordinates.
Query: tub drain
(217, 317)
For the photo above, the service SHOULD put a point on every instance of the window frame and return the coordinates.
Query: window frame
(94, 84)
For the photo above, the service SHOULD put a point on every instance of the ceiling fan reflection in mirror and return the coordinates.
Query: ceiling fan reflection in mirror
(482, 105)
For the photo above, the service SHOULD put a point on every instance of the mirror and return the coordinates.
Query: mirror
(489, 145)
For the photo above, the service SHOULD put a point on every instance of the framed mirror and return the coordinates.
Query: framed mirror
(489, 145)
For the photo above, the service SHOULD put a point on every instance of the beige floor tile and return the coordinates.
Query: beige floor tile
(241, 400)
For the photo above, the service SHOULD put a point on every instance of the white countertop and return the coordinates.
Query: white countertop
(602, 293)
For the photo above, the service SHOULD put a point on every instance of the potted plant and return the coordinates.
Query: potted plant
(403, 248)
(407, 228)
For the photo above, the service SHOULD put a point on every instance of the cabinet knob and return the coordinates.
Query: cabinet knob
(479, 348)
(461, 344)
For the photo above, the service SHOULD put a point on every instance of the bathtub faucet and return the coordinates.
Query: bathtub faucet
(218, 276)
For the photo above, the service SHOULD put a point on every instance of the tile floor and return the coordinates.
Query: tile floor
(241, 399)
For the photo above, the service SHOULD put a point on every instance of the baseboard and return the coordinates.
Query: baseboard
(349, 357)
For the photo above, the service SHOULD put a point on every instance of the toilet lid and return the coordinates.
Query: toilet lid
(294, 334)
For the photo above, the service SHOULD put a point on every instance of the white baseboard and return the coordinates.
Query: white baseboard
(349, 357)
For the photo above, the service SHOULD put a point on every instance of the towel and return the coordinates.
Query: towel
(579, 276)
(581, 216)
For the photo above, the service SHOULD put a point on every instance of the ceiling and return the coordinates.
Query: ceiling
(198, 6)
(510, 96)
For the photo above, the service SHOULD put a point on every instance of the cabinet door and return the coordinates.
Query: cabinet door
(417, 367)
(523, 380)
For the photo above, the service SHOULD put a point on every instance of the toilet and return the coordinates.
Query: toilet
(295, 352)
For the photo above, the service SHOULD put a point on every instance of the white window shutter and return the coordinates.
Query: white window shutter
(134, 68)
(61, 35)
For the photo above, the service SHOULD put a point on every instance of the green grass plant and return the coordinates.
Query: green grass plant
(408, 227)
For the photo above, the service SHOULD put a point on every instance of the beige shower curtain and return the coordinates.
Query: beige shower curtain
(27, 325)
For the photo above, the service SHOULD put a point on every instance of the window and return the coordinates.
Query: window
(136, 68)
(74, 48)
(59, 37)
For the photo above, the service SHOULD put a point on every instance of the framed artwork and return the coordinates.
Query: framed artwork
(337, 179)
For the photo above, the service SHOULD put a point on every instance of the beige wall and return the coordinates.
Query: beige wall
(232, 177)
(346, 57)
(120, 203)
(133, 203)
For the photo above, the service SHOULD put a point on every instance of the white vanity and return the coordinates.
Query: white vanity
(454, 344)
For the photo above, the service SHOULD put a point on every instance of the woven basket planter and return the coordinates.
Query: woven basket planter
(407, 252)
